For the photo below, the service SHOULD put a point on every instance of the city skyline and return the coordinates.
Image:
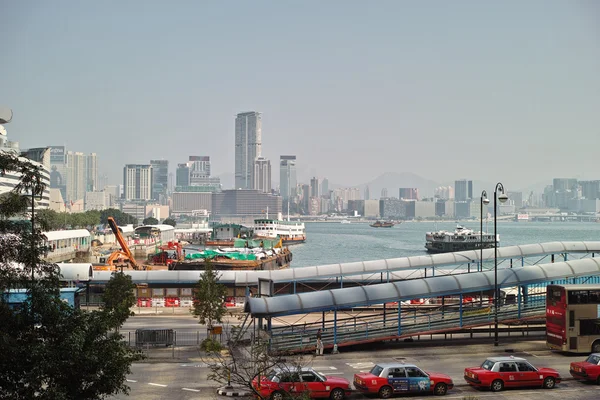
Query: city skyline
(401, 86)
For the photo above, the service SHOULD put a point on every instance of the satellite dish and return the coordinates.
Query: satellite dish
(2, 131)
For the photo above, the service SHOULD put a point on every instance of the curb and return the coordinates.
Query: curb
(232, 392)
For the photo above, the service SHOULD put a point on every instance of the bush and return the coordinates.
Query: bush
(211, 345)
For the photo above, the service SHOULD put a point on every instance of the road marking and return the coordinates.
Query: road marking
(191, 390)
(335, 373)
(157, 384)
(130, 380)
(360, 365)
(324, 368)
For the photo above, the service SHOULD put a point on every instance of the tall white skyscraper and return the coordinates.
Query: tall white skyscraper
(76, 175)
(137, 181)
(248, 139)
(287, 176)
(262, 175)
(92, 173)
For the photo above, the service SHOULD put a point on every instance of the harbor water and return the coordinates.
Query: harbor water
(332, 243)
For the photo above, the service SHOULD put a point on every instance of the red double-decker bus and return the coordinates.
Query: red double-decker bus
(573, 318)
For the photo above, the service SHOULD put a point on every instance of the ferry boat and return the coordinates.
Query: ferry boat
(290, 232)
(224, 235)
(460, 240)
(382, 224)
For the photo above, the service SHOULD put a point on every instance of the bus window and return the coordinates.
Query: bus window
(589, 327)
(572, 319)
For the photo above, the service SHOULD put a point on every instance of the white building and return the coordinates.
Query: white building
(97, 201)
(248, 141)
(287, 177)
(262, 175)
(39, 157)
(137, 181)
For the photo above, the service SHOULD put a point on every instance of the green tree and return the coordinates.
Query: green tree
(49, 349)
(170, 221)
(120, 217)
(150, 221)
(118, 298)
(209, 298)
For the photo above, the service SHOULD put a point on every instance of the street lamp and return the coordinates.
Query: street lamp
(486, 201)
(502, 198)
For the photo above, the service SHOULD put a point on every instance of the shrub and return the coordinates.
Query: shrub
(211, 345)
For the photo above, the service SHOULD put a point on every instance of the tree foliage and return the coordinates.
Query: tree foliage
(118, 298)
(52, 220)
(49, 350)
(120, 217)
(150, 221)
(170, 221)
(209, 297)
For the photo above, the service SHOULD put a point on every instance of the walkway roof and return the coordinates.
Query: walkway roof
(421, 288)
(67, 234)
(398, 268)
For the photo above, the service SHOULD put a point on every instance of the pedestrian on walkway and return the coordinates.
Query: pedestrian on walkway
(319, 343)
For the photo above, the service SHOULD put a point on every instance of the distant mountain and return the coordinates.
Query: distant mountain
(393, 181)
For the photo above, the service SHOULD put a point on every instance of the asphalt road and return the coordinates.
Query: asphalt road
(186, 377)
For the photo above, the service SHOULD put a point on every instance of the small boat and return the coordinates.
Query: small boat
(382, 224)
(344, 221)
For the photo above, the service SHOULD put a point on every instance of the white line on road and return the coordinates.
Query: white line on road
(157, 384)
(324, 368)
(191, 390)
(335, 373)
(130, 380)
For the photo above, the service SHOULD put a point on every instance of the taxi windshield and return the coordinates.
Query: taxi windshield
(376, 370)
(593, 359)
(487, 365)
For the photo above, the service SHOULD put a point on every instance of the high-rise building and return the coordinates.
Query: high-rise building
(325, 187)
(516, 198)
(262, 175)
(287, 176)
(248, 141)
(182, 177)
(444, 192)
(408, 193)
(463, 190)
(200, 166)
(314, 187)
(160, 179)
(137, 182)
(92, 173)
(196, 173)
(367, 194)
(58, 170)
(384, 193)
(76, 176)
(564, 184)
(590, 190)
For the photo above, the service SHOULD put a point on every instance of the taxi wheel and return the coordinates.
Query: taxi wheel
(440, 389)
(277, 396)
(385, 392)
(337, 394)
(549, 383)
(497, 385)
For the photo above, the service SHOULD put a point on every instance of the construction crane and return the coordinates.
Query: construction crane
(125, 249)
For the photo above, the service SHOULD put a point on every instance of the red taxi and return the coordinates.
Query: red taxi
(588, 370)
(392, 378)
(497, 373)
(278, 383)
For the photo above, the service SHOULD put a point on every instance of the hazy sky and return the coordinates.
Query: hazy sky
(484, 90)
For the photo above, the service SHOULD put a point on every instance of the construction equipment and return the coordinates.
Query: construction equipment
(167, 254)
(126, 253)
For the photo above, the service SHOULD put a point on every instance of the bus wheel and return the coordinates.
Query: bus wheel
(596, 347)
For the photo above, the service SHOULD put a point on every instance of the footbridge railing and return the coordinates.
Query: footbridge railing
(375, 328)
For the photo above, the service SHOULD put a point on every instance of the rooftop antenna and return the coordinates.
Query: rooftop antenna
(288, 209)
